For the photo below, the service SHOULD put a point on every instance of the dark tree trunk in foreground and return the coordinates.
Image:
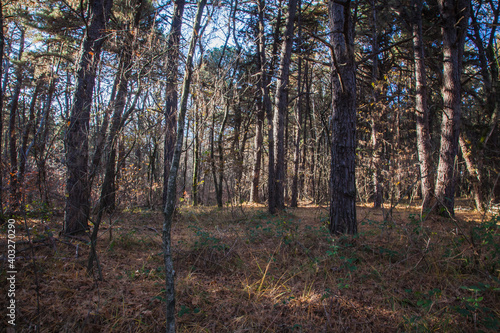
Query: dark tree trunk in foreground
(423, 130)
(281, 107)
(171, 189)
(173, 45)
(342, 174)
(455, 17)
(77, 189)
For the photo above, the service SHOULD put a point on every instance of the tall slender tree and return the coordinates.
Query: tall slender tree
(281, 103)
(172, 176)
(78, 193)
(14, 105)
(421, 108)
(172, 62)
(342, 172)
(454, 20)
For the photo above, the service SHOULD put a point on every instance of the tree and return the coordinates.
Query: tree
(281, 103)
(172, 176)
(14, 104)
(171, 89)
(454, 17)
(78, 192)
(421, 108)
(343, 148)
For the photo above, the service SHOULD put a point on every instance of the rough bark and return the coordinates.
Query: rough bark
(298, 119)
(281, 99)
(14, 191)
(173, 46)
(196, 160)
(422, 111)
(171, 189)
(342, 173)
(264, 106)
(2, 47)
(455, 17)
(29, 127)
(376, 115)
(78, 193)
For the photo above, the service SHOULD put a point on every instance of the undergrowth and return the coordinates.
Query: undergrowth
(250, 271)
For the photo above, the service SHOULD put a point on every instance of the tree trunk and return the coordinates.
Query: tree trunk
(2, 48)
(422, 111)
(196, 159)
(171, 189)
(455, 17)
(78, 192)
(281, 107)
(29, 127)
(298, 117)
(476, 176)
(376, 116)
(342, 173)
(14, 191)
(173, 45)
(263, 105)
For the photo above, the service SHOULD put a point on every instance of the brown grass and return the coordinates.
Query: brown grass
(242, 270)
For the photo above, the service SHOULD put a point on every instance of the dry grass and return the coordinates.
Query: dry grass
(243, 270)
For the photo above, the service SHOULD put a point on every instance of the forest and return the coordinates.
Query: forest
(250, 165)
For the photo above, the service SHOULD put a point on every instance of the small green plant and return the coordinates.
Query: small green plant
(186, 311)
(472, 308)
(206, 240)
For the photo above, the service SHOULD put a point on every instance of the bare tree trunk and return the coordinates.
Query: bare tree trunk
(263, 106)
(173, 46)
(29, 127)
(376, 116)
(281, 107)
(2, 50)
(298, 118)
(196, 159)
(77, 189)
(455, 17)
(14, 191)
(423, 129)
(171, 189)
(342, 174)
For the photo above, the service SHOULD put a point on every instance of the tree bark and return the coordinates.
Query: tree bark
(29, 127)
(455, 17)
(376, 115)
(342, 173)
(2, 48)
(173, 46)
(281, 107)
(196, 159)
(422, 111)
(264, 106)
(171, 189)
(298, 117)
(14, 190)
(78, 193)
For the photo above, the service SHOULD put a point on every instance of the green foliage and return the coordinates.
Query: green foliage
(486, 239)
(205, 240)
(472, 308)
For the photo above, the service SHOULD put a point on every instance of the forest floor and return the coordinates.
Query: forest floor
(242, 270)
